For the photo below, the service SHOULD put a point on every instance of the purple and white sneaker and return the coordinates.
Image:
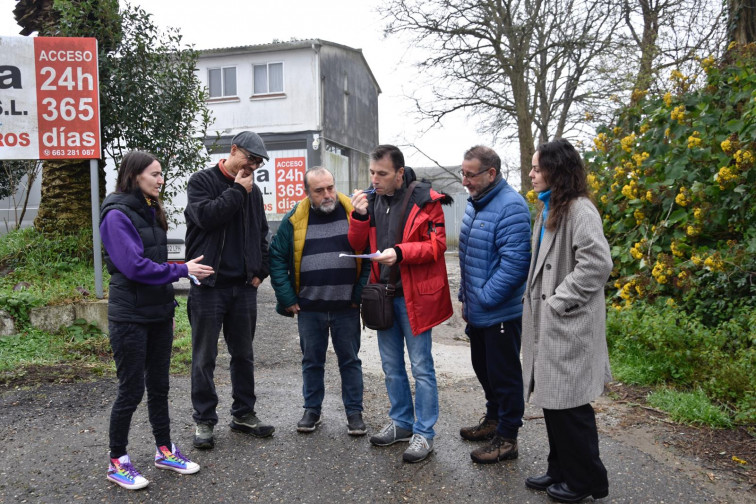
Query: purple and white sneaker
(174, 460)
(122, 473)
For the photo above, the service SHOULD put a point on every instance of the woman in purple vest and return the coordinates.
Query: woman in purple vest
(140, 312)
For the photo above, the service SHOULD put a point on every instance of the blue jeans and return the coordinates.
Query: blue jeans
(235, 309)
(422, 416)
(345, 331)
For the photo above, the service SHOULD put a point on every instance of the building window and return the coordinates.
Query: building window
(268, 78)
(222, 82)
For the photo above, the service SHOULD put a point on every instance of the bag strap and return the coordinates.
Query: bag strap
(394, 274)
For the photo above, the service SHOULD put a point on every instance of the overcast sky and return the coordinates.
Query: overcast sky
(227, 23)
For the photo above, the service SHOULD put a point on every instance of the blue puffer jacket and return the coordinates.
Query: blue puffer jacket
(494, 256)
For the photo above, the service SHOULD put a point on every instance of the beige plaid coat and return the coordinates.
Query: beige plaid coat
(565, 362)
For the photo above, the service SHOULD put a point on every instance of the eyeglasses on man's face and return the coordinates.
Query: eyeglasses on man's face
(255, 160)
(471, 175)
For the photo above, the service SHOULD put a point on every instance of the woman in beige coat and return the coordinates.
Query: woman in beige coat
(565, 362)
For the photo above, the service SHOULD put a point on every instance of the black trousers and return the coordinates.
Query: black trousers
(234, 309)
(574, 450)
(142, 354)
(495, 355)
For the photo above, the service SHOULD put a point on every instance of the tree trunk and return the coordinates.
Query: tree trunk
(648, 46)
(742, 22)
(65, 206)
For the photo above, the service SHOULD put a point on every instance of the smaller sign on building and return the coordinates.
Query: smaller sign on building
(281, 182)
(49, 98)
(289, 182)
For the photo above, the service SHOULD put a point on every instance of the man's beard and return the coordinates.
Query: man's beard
(325, 207)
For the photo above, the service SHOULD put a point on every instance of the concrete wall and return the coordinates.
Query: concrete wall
(296, 109)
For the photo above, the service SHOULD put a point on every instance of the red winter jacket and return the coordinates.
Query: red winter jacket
(423, 267)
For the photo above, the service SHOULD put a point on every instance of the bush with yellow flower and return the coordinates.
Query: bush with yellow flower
(674, 178)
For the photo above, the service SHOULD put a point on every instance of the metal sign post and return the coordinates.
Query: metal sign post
(50, 108)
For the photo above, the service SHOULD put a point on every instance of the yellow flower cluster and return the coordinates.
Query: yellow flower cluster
(531, 196)
(640, 289)
(668, 99)
(696, 259)
(694, 140)
(667, 133)
(714, 263)
(707, 63)
(683, 197)
(725, 176)
(677, 76)
(671, 302)
(628, 142)
(604, 199)
(675, 249)
(630, 191)
(732, 45)
(650, 196)
(661, 272)
(639, 158)
(743, 158)
(727, 146)
(678, 114)
(600, 142)
(639, 216)
(638, 94)
(626, 291)
(681, 80)
(693, 230)
(683, 275)
(616, 130)
(698, 213)
(614, 186)
(593, 182)
(637, 250)
(644, 127)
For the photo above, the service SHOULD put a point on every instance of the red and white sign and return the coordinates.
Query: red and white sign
(289, 182)
(49, 98)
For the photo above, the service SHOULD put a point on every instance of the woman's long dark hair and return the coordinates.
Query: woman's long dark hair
(564, 172)
(134, 163)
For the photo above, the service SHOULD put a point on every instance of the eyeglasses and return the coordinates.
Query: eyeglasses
(255, 160)
(472, 175)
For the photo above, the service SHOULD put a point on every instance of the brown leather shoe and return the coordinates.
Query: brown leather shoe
(498, 449)
(485, 430)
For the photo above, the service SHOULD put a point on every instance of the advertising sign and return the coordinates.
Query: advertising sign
(289, 182)
(49, 98)
(281, 182)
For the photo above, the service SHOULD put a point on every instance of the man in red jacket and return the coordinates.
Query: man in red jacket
(422, 298)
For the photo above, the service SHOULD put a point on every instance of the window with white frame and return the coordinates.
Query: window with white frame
(221, 82)
(268, 78)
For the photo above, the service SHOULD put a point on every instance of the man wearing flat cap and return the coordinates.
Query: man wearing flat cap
(225, 222)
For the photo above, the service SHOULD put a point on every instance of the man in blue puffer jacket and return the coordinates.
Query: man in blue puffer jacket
(494, 256)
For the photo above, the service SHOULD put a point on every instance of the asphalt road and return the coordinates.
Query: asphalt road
(53, 445)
